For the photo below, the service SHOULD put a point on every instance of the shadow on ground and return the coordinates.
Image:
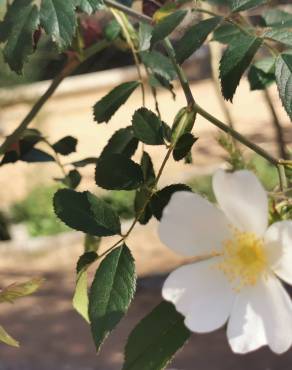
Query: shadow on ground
(54, 337)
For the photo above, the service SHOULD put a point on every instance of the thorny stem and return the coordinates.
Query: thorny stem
(180, 73)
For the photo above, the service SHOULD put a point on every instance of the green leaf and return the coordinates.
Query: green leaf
(145, 35)
(66, 145)
(142, 212)
(226, 32)
(277, 18)
(159, 64)
(148, 169)
(73, 179)
(161, 198)
(17, 28)
(123, 141)
(143, 195)
(109, 104)
(235, 61)
(18, 290)
(262, 73)
(147, 127)
(283, 35)
(59, 21)
(80, 299)
(194, 38)
(155, 340)
(118, 172)
(111, 292)
(84, 162)
(284, 80)
(88, 6)
(112, 30)
(167, 25)
(87, 213)
(240, 5)
(85, 261)
(7, 339)
(183, 146)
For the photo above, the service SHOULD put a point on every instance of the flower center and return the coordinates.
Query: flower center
(244, 259)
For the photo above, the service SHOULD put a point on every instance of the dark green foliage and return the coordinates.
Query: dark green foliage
(262, 73)
(109, 104)
(235, 61)
(66, 145)
(24, 149)
(112, 30)
(4, 228)
(17, 28)
(282, 35)
(59, 21)
(277, 18)
(85, 212)
(145, 35)
(111, 292)
(144, 213)
(148, 169)
(183, 146)
(85, 162)
(88, 6)
(147, 127)
(85, 260)
(240, 5)
(156, 339)
(226, 33)
(167, 25)
(118, 172)
(159, 64)
(284, 80)
(73, 179)
(123, 142)
(194, 38)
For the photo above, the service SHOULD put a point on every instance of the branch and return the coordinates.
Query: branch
(229, 130)
(38, 105)
(67, 71)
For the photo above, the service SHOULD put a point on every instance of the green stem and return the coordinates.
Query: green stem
(180, 73)
(123, 22)
(152, 191)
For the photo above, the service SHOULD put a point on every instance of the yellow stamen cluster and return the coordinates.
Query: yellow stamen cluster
(244, 259)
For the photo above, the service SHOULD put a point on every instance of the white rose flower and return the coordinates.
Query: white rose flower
(239, 282)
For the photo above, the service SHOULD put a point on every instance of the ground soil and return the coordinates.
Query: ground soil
(52, 335)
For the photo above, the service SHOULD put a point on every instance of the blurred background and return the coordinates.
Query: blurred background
(35, 243)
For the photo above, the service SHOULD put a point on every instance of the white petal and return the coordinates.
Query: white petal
(243, 200)
(278, 240)
(202, 294)
(261, 315)
(191, 225)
